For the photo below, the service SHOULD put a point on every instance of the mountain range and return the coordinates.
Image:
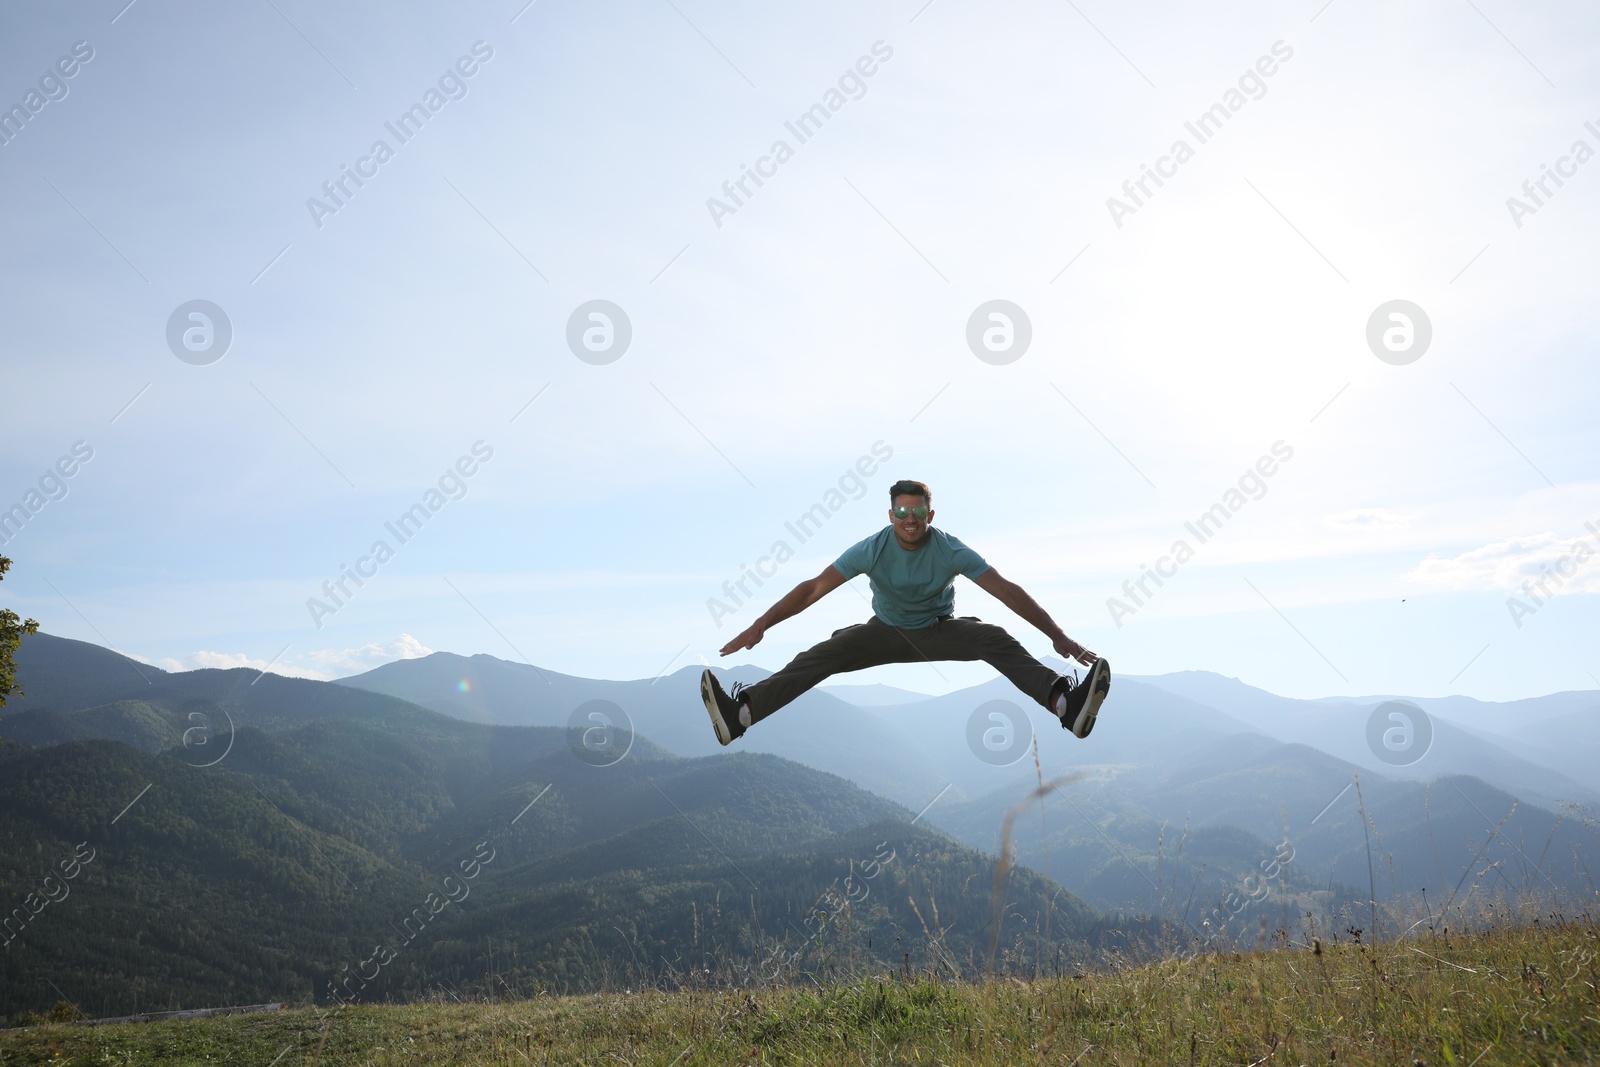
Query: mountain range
(264, 838)
(1242, 768)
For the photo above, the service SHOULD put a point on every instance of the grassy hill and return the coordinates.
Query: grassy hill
(1507, 996)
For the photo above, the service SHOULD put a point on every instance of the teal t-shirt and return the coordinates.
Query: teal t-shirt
(911, 589)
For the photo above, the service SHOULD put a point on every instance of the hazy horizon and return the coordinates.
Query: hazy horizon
(854, 680)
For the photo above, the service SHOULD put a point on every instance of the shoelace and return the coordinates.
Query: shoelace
(737, 692)
(1073, 687)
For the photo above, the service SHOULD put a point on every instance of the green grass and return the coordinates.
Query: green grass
(1507, 996)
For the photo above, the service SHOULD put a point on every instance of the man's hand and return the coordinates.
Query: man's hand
(1016, 598)
(748, 639)
(794, 601)
(1067, 648)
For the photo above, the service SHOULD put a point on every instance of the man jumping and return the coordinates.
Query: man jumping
(912, 569)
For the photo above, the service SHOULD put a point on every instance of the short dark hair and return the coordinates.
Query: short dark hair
(907, 487)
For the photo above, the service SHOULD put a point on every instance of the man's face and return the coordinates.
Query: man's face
(910, 530)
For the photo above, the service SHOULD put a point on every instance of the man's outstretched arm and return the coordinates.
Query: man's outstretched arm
(794, 602)
(1017, 599)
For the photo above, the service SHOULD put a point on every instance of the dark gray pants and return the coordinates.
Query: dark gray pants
(875, 642)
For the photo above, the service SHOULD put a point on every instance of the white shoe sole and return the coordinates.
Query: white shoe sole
(708, 693)
(1099, 683)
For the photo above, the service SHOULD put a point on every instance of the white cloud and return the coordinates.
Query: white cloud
(1505, 565)
(1368, 519)
(203, 660)
(324, 664)
(343, 663)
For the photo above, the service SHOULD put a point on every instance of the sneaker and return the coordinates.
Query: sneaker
(723, 709)
(1084, 698)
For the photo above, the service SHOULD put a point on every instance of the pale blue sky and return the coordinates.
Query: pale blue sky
(826, 314)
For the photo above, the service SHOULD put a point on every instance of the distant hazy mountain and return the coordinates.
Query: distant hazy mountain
(1266, 710)
(819, 729)
(1544, 749)
(1230, 760)
(868, 696)
(1156, 839)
